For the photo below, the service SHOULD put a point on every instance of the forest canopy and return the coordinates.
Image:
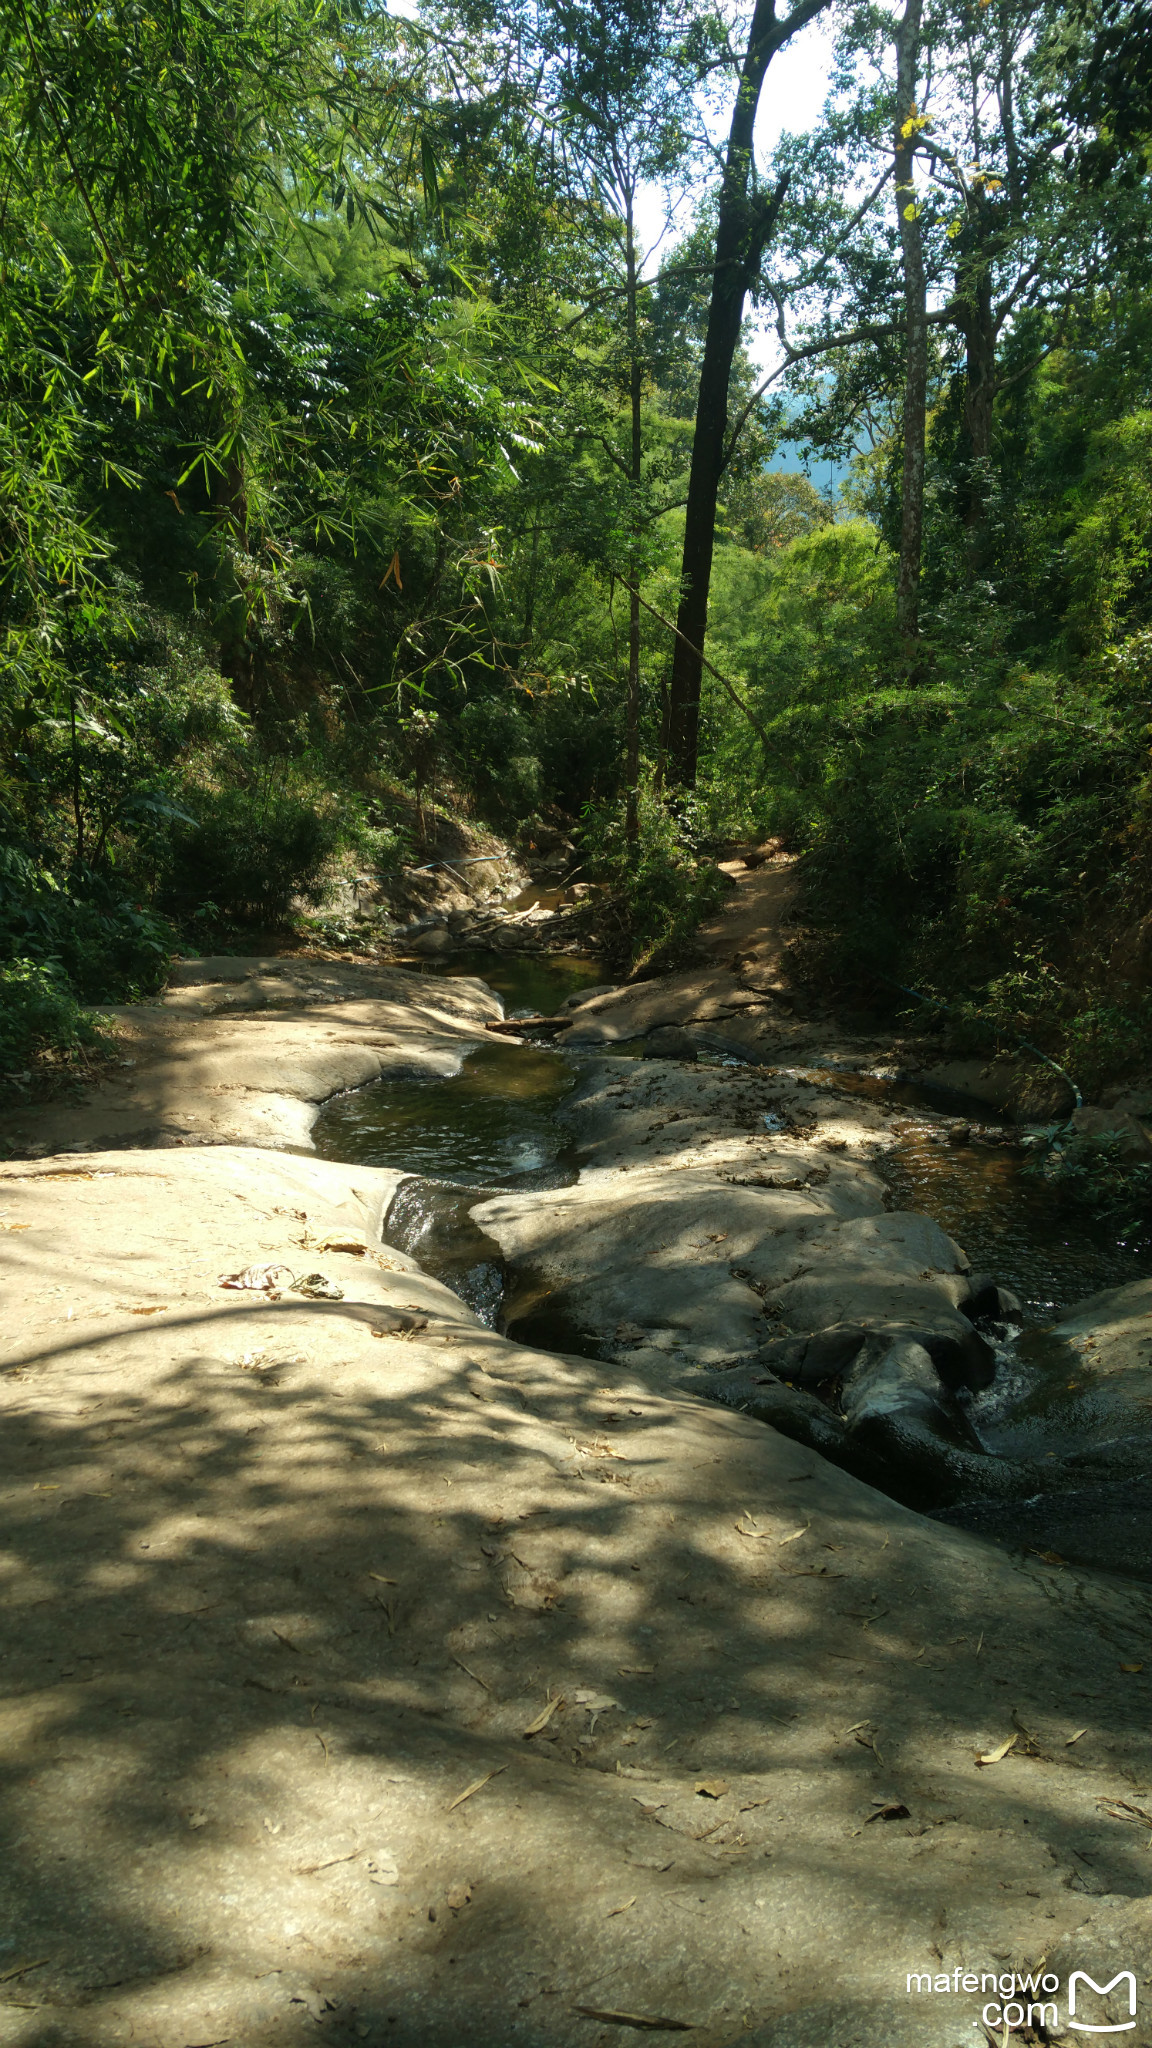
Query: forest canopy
(364, 450)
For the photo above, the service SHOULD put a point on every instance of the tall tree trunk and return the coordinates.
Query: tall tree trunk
(745, 224)
(635, 387)
(978, 325)
(237, 652)
(916, 325)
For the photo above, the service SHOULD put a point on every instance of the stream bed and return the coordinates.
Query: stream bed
(498, 1124)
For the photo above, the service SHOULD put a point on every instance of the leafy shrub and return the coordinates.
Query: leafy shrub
(38, 1010)
(81, 927)
(661, 883)
(498, 760)
(250, 852)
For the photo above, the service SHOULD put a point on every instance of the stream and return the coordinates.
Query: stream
(498, 1124)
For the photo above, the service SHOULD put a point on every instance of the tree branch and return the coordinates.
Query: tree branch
(733, 692)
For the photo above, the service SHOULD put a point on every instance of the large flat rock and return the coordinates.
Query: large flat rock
(696, 1233)
(288, 1583)
(245, 1051)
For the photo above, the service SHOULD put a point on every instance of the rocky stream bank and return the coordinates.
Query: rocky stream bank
(377, 1674)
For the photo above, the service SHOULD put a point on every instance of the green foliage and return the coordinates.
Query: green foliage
(803, 631)
(498, 760)
(83, 929)
(337, 417)
(1096, 1177)
(38, 1011)
(662, 884)
(1108, 552)
(249, 852)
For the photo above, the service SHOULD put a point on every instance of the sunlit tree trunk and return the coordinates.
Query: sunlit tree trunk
(745, 223)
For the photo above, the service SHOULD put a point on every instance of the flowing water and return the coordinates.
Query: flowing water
(493, 1124)
(1012, 1223)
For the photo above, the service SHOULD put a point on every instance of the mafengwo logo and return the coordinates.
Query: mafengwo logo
(1080, 1983)
(1034, 2001)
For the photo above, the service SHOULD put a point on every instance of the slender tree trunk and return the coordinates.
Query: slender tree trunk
(635, 386)
(744, 226)
(530, 594)
(916, 325)
(237, 653)
(978, 323)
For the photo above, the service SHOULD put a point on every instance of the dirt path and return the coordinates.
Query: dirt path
(370, 1672)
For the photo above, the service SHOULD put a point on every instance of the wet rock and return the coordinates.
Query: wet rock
(669, 1042)
(989, 1302)
(430, 943)
(794, 1413)
(1106, 1526)
(812, 1361)
(588, 995)
(1041, 1098)
(903, 1435)
(1004, 1084)
(894, 1391)
(962, 1357)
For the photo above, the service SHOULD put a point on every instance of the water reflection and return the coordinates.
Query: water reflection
(493, 1124)
(530, 984)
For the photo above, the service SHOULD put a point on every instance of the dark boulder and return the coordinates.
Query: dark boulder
(988, 1302)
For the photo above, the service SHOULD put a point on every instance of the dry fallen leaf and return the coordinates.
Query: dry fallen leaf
(997, 1755)
(712, 1788)
(339, 1243)
(474, 1787)
(636, 1670)
(889, 1809)
(317, 1287)
(621, 1908)
(1124, 1809)
(254, 1279)
(542, 1719)
(472, 1674)
(1075, 1738)
(596, 1702)
(22, 1969)
(157, 1311)
(329, 1863)
(459, 1897)
(643, 2020)
(796, 1535)
(1131, 1667)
